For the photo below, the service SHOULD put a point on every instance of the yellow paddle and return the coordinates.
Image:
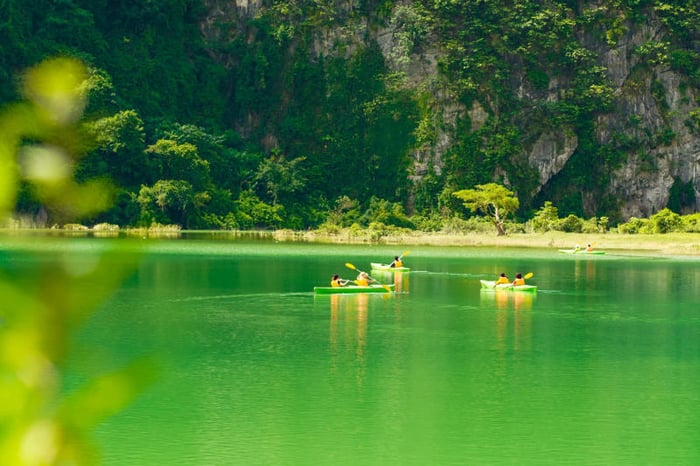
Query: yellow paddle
(528, 275)
(350, 266)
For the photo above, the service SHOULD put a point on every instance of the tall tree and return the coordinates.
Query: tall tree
(493, 200)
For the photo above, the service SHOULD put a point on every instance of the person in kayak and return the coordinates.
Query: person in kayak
(589, 247)
(519, 280)
(363, 279)
(396, 262)
(502, 279)
(337, 282)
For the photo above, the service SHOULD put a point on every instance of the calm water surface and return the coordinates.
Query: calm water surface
(601, 366)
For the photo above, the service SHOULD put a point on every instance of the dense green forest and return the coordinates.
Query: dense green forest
(295, 116)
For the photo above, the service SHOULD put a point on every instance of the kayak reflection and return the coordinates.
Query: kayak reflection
(513, 321)
(505, 299)
(398, 279)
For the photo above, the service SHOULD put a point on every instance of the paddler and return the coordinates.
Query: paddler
(396, 262)
(337, 282)
(519, 280)
(363, 279)
(502, 279)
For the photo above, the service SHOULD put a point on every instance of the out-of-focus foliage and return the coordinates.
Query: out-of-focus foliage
(49, 119)
(40, 139)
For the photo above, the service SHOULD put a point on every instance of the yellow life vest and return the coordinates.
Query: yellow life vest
(362, 282)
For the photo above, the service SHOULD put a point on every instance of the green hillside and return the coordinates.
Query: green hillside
(296, 113)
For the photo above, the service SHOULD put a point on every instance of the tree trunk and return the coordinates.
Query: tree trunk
(501, 230)
(499, 227)
(497, 222)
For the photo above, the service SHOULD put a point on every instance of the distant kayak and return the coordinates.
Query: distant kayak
(388, 268)
(491, 285)
(580, 251)
(349, 289)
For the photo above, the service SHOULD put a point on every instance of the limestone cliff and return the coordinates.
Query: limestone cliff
(652, 105)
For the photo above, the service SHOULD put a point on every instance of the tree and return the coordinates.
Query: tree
(218, 150)
(119, 151)
(181, 162)
(167, 201)
(280, 179)
(546, 218)
(493, 200)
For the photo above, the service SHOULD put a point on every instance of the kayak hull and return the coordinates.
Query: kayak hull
(354, 289)
(491, 285)
(580, 251)
(388, 268)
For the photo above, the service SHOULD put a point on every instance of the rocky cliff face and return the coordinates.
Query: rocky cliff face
(652, 106)
(650, 103)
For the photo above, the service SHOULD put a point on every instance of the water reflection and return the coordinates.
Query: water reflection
(399, 279)
(585, 274)
(348, 330)
(513, 319)
(505, 299)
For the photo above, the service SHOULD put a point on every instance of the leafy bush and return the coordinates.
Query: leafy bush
(546, 218)
(345, 213)
(595, 225)
(379, 229)
(252, 213)
(691, 223)
(666, 221)
(456, 225)
(389, 213)
(570, 224)
(633, 226)
(430, 222)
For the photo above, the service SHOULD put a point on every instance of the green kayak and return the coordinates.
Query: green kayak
(349, 289)
(388, 268)
(491, 285)
(580, 251)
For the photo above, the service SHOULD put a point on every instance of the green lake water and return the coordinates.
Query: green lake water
(600, 367)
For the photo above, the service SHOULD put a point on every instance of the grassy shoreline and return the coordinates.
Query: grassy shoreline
(670, 244)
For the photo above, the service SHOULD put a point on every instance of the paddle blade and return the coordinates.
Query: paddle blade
(529, 275)
(405, 253)
(350, 266)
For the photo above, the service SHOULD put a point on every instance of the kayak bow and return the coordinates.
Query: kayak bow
(388, 268)
(491, 285)
(349, 289)
(580, 251)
